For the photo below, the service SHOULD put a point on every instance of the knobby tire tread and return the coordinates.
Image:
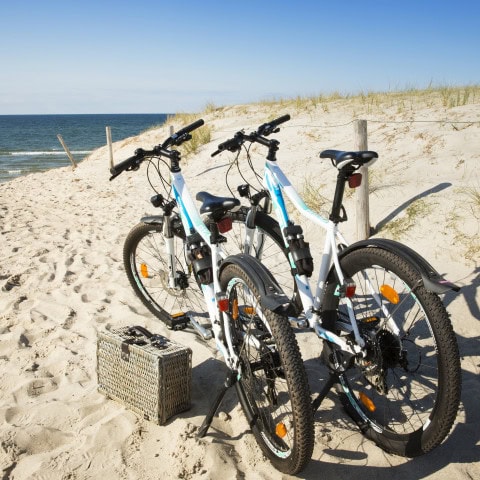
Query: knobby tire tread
(449, 388)
(297, 382)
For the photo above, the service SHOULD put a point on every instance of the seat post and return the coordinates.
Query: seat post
(335, 215)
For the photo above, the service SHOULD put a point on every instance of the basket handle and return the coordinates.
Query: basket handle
(157, 341)
(137, 329)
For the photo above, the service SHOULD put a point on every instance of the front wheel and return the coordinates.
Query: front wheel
(146, 264)
(405, 393)
(272, 385)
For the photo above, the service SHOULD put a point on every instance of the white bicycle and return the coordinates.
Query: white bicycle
(177, 266)
(388, 339)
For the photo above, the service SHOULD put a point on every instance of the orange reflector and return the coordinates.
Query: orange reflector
(144, 270)
(367, 402)
(248, 310)
(390, 294)
(178, 314)
(281, 429)
(235, 309)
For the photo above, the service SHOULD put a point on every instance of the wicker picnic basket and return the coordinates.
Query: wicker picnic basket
(147, 373)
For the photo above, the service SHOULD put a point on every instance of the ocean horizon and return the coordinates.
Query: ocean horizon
(29, 143)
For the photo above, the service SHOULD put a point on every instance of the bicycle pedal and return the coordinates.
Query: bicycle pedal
(178, 321)
(298, 322)
(370, 322)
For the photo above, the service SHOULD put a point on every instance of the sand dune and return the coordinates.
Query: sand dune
(62, 278)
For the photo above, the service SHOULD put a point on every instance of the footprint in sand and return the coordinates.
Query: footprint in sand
(40, 386)
(13, 281)
(67, 324)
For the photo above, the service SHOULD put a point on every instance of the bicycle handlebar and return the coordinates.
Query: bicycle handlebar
(133, 163)
(233, 144)
(270, 127)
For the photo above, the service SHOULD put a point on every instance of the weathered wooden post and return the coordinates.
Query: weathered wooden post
(109, 143)
(67, 151)
(361, 194)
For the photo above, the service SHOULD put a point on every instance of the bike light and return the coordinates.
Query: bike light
(281, 429)
(390, 294)
(144, 270)
(355, 180)
(367, 402)
(224, 225)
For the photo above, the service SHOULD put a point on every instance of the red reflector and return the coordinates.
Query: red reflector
(350, 290)
(224, 225)
(355, 180)
(223, 304)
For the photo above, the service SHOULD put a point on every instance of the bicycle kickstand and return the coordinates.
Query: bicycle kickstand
(229, 382)
(331, 381)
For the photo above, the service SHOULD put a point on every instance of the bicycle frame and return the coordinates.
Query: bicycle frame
(192, 222)
(275, 181)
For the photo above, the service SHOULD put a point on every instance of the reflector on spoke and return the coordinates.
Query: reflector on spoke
(390, 294)
(144, 270)
(367, 402)
(281, 429)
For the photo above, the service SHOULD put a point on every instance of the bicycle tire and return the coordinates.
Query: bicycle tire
(413, 380)
(144, 258)
(272, 253)
(272, 385)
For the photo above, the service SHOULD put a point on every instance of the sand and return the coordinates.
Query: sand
(62, 279)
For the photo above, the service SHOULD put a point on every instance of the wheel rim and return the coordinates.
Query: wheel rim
(261, 373)
(396, 385)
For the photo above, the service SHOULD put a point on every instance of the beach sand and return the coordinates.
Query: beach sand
(62, 279)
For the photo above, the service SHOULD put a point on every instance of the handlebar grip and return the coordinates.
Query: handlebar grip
(268, 128)
(231, 144)
(132, 162)
(280, 120)
(190, 128)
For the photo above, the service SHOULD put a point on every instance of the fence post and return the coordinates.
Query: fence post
(109, 143)
(67, 151)
(361, 194)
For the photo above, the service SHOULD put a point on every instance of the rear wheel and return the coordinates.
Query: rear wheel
(405, 394)
(268, 247)
(272, 386)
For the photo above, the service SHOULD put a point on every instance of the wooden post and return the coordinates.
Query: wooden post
(67, 151)
(361, 194)
(109, 143)
(172, 130)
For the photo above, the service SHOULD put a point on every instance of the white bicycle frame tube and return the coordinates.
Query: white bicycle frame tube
(192, 222)
(275, 182)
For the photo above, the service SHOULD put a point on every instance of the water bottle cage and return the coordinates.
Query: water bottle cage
(299, 250)
(201, 260)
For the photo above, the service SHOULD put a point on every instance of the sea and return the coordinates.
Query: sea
(29, 143)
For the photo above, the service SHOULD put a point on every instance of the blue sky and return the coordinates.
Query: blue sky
(145, 56)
